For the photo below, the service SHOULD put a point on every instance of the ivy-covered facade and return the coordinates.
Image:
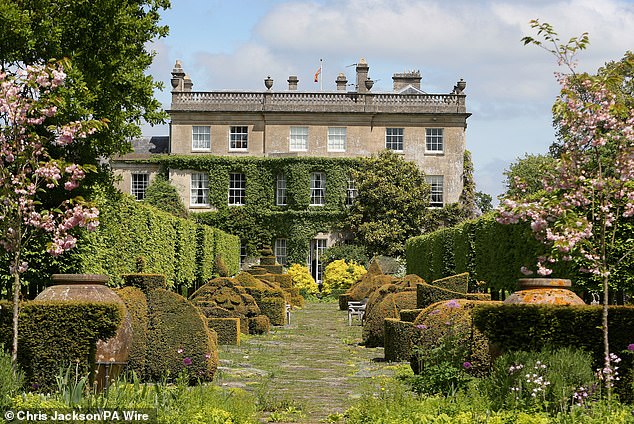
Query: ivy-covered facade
(273, 166)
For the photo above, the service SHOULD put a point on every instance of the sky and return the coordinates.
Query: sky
(236, 44)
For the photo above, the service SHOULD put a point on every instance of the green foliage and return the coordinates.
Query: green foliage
(219, 266)
(172, 246)
(259, 325)
(340, 275)
(302, 279)
(11, 379)
(484, 201)
(534, 327)
(445, 336)
(397, 339)
(228, 330)
(164, 196)
(385, 307)
(524, 177)
(347, 252)
(178, 339)
(274, 308)
(426, 294)
(540, 381)
(68, 337)
(108, 44)
(145, 282)
(260, 220)
(478, 247)
(136, 304)
(392, 200)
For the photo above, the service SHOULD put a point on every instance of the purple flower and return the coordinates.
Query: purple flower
(207, 355)
(630, 347)
(467, 365)
(35, 386)
(452, 304)
(435, 312)
(187, 361)
(421, 326)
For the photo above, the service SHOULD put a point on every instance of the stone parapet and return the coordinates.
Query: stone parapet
(352, 102)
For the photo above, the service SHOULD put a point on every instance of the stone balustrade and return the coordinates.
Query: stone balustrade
(351, 102)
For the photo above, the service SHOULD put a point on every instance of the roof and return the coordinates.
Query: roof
(146, 146)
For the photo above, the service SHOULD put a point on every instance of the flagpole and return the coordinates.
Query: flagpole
(321, 69)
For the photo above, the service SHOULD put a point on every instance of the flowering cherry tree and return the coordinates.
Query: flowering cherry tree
(29, 131)
(593, 182)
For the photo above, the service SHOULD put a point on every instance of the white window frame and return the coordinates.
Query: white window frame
(201, 138)
(317, 188)
(434, 140)
(280, 190)
(337, 139)
(280, 251)
(199, 189)
(298, 139)
(237, 189)
(394, 136)
(138, 188)
(437, 194)
(351, 191)
(238, 136)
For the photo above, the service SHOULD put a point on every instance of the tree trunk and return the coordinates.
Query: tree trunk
(16, 311)
(606, 344)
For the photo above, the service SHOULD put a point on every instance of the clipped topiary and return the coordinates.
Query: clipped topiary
(227, 330)
(388, 307)
(259, 325)
(220, 268)
(260, 289)
(226, 293)
(428, 294)
(450, 323)
(178, 339)
(145, 282)
(457, 283)
(136, 305)
(275, 309)
(365, 286)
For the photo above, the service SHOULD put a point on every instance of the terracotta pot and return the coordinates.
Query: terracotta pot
(550, 291)
(92, 288)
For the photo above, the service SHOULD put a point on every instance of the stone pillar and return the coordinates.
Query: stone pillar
(292, 82)
(362, 75)
(187, 83)
(341, 82)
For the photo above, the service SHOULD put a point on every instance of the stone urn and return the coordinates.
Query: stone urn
(92, 288)
(550, 291)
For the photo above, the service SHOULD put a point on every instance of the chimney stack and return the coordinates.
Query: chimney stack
(362, 75)
(178, 76)
(404, 79)
(292, 82)
(342, 82)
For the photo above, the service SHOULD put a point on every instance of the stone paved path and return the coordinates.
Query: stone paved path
(315, 364)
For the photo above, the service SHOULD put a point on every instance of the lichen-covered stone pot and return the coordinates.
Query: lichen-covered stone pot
(550, 291)
(92, 288)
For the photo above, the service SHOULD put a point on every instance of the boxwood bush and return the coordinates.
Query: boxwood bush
(57, 334)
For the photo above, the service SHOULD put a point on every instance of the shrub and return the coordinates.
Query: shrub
(70, 335)
(164, 196)
(275, 309)
(448, 325)
(227, 329)
(145, 282)
(427, 294)
(302, 279)
(388, 307)
(259, 325)
(340, 275)
(228, 294)
(457, 283)
(136, 305)
(220, 269)
(178, 339)
(398, 339)
(540, 381)
(347, 252)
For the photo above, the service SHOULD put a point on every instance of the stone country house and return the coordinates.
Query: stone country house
(427, 129)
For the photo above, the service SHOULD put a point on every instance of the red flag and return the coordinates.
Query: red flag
(317, 74)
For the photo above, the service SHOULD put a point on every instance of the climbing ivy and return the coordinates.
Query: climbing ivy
(260, 221)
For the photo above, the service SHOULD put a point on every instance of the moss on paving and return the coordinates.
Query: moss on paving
(316, 364)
